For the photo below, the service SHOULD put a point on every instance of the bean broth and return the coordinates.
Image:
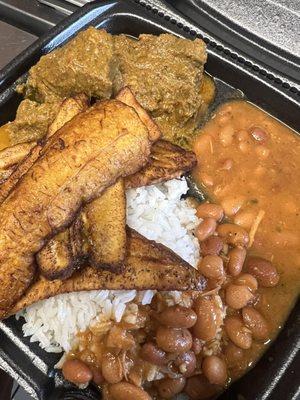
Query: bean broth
(250, 164)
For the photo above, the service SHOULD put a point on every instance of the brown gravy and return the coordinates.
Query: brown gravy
(250, 163)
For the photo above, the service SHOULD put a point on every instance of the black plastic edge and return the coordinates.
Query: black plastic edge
(228, 53)
(29, 15)
(230, 33)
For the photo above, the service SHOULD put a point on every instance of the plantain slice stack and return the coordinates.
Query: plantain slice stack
(149, 265)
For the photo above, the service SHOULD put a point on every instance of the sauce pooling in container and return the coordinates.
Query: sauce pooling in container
(250, 164)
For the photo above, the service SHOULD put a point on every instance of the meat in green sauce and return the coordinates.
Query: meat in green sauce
(84, 65)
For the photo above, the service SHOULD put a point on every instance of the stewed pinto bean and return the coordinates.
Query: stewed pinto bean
(233, 234)
(97, 376)
(244, 218)
(226, 164)
(209, 210)
(238, 333)
(213, 245)
(177, 317)
(209, 318)
(263, 270)
(119, 338)
(174, 340)
(231, 205)
(259, 135)
(215, 370)
(236, 260)
(256, 323)
(77, 372)
(198, 388)
(205, 229)
(168, 387)
(112, 369)
(212, 267)
(237, 296)
(247, 280)
(233, 355)
(151, 353)
(125, 391)
(186, 363)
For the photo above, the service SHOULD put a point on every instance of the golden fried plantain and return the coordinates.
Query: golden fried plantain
(68, 109)
(127, 97)
(14, 154)
(17, 173)
(167, 161)
(63, 254)
(31, 151)
(105, 228)
(9, 159)
(106, 216)
(75, 166)
(149, 265)
(6, 173)
(105, 220)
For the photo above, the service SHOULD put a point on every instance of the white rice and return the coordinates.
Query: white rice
(158, 213)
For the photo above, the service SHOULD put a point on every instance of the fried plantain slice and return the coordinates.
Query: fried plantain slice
(127, 97)
(149, 265)
(105, 220)
(105, 228)
(105, 217)
(14, 154)
(59, 258)
(31, 151)
(68, 109)
(167, 161)
(6, 173)
(75, 166)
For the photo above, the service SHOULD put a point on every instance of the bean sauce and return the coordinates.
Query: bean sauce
(253, 162)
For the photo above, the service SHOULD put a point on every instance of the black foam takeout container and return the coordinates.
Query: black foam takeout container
(276, 376)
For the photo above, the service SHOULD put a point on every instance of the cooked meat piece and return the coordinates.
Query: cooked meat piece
(126, 96)
(32, 121)
(86, 64)
(149, 265)
(171, 69)
(59, 258)
(76, 165)
(105, 228)
(167, 161)
(67, 110)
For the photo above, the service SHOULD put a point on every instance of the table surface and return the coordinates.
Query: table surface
(12, 42)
